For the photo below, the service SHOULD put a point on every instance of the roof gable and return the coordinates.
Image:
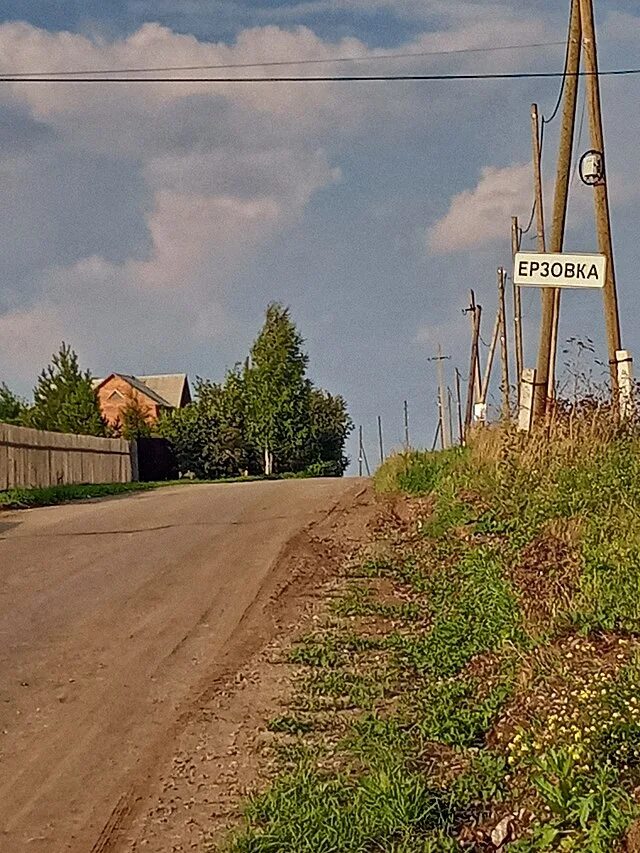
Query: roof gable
(170, 390)
(173, 387)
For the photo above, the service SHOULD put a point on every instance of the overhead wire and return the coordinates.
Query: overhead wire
(347, 78)
(287, 62)
(545, 122)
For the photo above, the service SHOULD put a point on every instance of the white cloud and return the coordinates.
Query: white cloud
(477, 217)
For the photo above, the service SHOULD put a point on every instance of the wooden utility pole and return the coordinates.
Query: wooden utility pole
(459, 406)
(547, 296)
(517, 306)
(603, 215)
(486, 381)
(443, 445)
(406, 426)
(380, 441)
(437, 436)
(360, 459)
(450, 408)
(545, 374)
(504, 349)
(478, 372)
(476, 312)
(563, 177)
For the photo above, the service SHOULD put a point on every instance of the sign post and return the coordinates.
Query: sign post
(537, 269)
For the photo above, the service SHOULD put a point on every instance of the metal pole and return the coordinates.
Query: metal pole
(601, 192)
(360, 459)
(380, 441)
(450, 410)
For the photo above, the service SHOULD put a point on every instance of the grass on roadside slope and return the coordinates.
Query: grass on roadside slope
(477, 683)
(54, 495)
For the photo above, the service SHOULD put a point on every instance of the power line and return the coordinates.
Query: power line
(546, 121)
(284, 62)
(369, 78)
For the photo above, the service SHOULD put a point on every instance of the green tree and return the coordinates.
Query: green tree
(278, 391)
(265, 417)
(12, 409)
(209, 437)
(64, 399)
(328, 430)
(135, 419)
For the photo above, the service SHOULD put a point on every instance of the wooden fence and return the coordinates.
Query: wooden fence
(30, 458)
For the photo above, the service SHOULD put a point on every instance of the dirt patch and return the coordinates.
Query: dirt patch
(546, 577)
(221, 747)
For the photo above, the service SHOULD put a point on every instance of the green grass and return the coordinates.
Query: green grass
(474, 701)
(53, 495)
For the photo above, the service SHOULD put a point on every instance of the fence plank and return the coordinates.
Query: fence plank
(32, 458)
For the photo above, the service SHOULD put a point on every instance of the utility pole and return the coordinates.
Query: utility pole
(601, 191)
(492, 352)
(563, 177)
(545, 374)
(444, 409)
(474, 368)
(437, 436)
(459, 406)
(450, 409)
(546, 294)
(406, 426)
(504, 350)
(517, 306)
(362, 455)
(478, 372)
(380, 441)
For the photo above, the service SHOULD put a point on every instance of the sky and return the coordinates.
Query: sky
(150, 225)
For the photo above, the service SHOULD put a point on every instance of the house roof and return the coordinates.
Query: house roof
(166, 389)
(173, 387)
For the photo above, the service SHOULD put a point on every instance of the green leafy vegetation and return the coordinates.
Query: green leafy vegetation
(52, 495)
(64, 399)
(12, 408)
(265, 418)
(476, 683)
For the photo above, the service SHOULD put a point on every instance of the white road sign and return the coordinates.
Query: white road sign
(534, 269)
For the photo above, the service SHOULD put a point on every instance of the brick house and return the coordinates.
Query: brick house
(157, 393)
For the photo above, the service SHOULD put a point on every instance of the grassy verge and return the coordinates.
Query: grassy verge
(53, 495)
(476, 685)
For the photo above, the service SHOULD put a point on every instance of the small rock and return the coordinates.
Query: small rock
(503, 832)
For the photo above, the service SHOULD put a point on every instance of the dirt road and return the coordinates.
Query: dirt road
(112, 615)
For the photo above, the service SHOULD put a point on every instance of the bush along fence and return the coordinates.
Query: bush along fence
(32, 458)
